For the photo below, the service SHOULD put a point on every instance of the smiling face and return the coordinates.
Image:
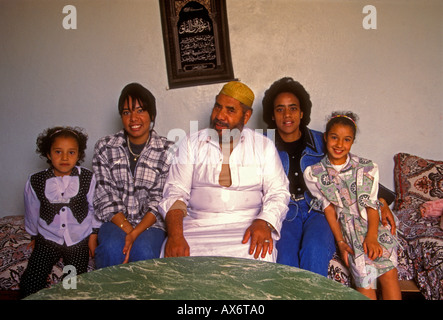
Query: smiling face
(63, 155)
(287, 116)
(136, 121)
(339, 140)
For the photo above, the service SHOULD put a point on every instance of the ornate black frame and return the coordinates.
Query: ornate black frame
(183, 73)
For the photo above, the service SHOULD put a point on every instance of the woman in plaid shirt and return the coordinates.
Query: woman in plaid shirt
(131, 167)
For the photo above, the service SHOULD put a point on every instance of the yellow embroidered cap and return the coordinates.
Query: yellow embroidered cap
(239, 91)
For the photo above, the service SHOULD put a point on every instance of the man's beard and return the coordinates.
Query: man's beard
(229, 134)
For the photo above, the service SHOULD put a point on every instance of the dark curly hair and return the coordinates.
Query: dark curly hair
(286, 84)
(346, 118)
(47, 138)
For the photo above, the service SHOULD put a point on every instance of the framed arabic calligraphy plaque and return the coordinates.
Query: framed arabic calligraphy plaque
(196, 40)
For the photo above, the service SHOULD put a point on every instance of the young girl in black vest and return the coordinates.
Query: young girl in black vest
(59, 213)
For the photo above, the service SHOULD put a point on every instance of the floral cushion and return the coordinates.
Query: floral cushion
(424, 251)
(338, 271)
(14, 252)
(417, 180)
(418, 183)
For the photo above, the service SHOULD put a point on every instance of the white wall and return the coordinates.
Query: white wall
(391, 76)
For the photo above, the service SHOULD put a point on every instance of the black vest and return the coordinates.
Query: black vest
(78, 204)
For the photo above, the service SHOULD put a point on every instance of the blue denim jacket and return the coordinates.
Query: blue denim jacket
(312, 154)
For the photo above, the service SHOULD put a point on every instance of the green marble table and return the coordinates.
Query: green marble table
(200, 278)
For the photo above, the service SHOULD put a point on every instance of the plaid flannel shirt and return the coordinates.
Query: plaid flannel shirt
(118, 190)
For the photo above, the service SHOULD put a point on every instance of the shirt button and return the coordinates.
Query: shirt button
(63, 225)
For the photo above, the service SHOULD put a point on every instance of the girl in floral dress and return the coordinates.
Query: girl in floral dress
(346, 187)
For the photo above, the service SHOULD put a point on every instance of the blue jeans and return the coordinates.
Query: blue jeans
(111, 240)
(306, 239)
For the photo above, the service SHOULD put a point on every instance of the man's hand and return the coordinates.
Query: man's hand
(261, 239)
(176, 246)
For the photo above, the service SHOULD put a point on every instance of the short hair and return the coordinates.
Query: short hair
(48, 136)
(139, 94)
(286, 84)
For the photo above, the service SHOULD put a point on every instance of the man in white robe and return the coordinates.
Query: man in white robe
(227, 193)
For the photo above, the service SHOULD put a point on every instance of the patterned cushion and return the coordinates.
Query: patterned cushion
(417, 180)
(338, 271)
(423, 243)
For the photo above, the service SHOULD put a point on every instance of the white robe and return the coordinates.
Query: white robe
(217, 216)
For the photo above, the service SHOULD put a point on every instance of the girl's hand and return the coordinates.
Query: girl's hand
(345, 250)
(372, 248)
(31, 245)
(92, 244)
(129, 240)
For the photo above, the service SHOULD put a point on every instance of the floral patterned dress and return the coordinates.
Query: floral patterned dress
(351, 188)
